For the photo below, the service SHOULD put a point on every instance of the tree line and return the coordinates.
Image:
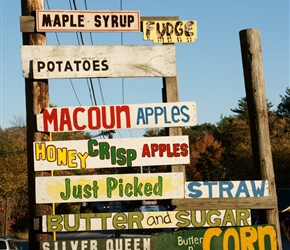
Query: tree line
(220, 151)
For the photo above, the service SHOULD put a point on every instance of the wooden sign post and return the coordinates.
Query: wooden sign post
(37, 98)
(258, 115)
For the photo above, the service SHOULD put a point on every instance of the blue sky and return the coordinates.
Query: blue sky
(209, 70)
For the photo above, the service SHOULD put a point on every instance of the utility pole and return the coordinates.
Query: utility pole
(37, 98)
(258, 116)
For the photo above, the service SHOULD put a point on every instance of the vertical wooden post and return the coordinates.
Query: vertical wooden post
(170, 94)
(37, 98)
(258, 115)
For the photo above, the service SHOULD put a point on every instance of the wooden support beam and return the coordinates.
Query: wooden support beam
(225, 203)
(37, 98)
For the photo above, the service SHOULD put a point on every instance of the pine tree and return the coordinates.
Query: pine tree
(283, 109)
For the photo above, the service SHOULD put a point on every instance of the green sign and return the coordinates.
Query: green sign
(260, 237)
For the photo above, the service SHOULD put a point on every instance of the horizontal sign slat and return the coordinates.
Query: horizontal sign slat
(259, 237)
(87, 21)
(101, 153)
(126, 243)
(145, 220)
(226, 189)
(98, 61)
(87, 188)
(155, 115)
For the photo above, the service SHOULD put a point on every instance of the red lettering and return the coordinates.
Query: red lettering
(65, 120)
(97, 113)
(162, 149)
(126, 110)
(154, 148)
(75, 119)
(112, 118)
(50, 118)
(184, 149)
(146, 151)
(169, 153)
(176, 149)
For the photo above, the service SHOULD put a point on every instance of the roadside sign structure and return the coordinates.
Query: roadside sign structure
(45, 62)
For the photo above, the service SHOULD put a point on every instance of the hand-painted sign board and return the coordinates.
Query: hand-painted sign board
(136, 243)
(226, 189)
(87, 188)
(43, 62)
(145, 220)
(87, 21)
(102, 153)
(154, 115)
(170, 31)
(259, 237)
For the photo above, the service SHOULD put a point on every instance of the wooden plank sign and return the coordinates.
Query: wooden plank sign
(155, 115)
(98, 61)
(87, 21)
(101, 153)
(87, 188)
(170, 31)
(259, 237)
(145, 220)
(226, 189)
(126, 243)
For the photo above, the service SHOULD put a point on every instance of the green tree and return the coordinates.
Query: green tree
(242, 110)
(13, 178)
(280, 144)
(283, 109)
(235, 137)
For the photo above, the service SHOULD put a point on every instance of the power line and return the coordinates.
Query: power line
(57, 38)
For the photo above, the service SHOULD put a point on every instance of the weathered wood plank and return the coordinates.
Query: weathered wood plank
(226, 203)
(98, 61)
(27, 24)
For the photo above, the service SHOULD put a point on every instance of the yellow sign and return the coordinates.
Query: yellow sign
(170, 31)
(89, 188)
(146, 220)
